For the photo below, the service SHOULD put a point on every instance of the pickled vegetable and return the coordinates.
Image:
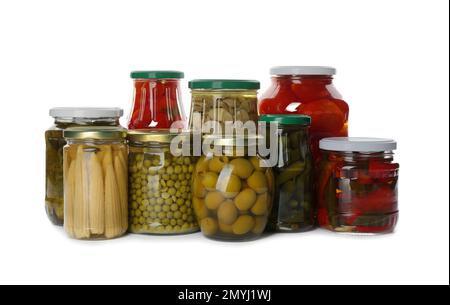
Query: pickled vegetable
(95, 190)
(358, 193)
(239, 206)
(160, 199)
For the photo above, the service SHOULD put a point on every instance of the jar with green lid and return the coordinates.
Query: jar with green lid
(219, 101)
(232, 190)
(64, 118)
(95, 182)
(294, 198)
(160, 178)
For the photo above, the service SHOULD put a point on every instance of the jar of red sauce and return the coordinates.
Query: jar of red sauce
(157, 100)
(357, 185)
(308, 90)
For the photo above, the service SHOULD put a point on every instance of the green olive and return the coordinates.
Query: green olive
(209, 180)
(213, 200)
(261, 206)
(199, 207)
(243, 225)
(260, 224)
(245, 200)
(242, 168)
(209, 226)
(258, 182)
(227, 212)
(217, 164)
(230, 186)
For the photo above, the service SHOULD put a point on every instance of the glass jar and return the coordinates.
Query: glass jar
(232, 191)
(219, 101)
(309, 91)
(95, 183)
(54, 140)
(294, 209)
(357, 187)
(160, 184)
(157, 100)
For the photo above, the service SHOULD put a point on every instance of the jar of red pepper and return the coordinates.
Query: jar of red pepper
(157, 100)
(308, 90)
(357, 185)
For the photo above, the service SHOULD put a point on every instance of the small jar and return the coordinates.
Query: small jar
(294, 209)
(157, 100)
(95, 183)
(220, 101)
(232, 190)
(160, 184)
(357, 186)
(65, 118)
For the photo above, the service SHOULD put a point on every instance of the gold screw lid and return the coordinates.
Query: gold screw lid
(164, 136)
(95, 133)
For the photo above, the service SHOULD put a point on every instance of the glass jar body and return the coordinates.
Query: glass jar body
(232, 196)
(358, 192)
(95, 189)
(312, 95)
(157, 103)
(55, 142)
(160, 190)
(294, 209)
(220, 106)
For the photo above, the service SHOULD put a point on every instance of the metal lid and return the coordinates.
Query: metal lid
(226, 84)
(287, 119)
(157, 74)
(302, 70)
(358, 144)
(95, 133)
(155, 135)
(86, 112)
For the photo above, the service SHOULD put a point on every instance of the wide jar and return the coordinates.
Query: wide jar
(216, 102)
(308, 90)
(157, 100)
(160, 176)
(64, 118)
(357, 186)
(232, 190)
(294, 208)
(95, 183)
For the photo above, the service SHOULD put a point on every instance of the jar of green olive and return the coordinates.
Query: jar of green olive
(232, 190)
(66, 117)
(294, 209)
(160, 200)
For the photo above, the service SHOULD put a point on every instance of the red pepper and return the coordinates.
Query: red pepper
(382, 170)
(382, 200)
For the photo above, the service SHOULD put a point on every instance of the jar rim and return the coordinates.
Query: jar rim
(357, 144)
(86, 112)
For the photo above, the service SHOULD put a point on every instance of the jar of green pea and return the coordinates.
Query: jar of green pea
(160, 177)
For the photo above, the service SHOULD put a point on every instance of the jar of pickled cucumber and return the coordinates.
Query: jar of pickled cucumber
(160, 183)
(95, 182)
(358, 185)
(294, 198)
(64, 118)
(216, 102)
(232, 190)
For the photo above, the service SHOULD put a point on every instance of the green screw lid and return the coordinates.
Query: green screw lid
(228, 84)
(156, 74)
(286, 119)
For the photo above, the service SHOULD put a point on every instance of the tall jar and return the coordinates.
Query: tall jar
(294, 208)
(157, 100)
(358, 185)
(310, 91)
(216, 102)
(54, 140)
(160, 183)
(95, 183)
(232, 190)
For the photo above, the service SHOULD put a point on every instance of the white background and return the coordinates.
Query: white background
(393, 69)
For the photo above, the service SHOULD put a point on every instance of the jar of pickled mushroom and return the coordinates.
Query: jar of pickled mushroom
(95, 183)
(357, 186)
(310, 91)
(232, 190)
(294, 209)
(64, 118)
(160, 177)
(216, 102)
(157, 100)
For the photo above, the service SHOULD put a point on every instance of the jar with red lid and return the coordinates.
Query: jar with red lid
(157, 100)
(358, 185)
(308, 90)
